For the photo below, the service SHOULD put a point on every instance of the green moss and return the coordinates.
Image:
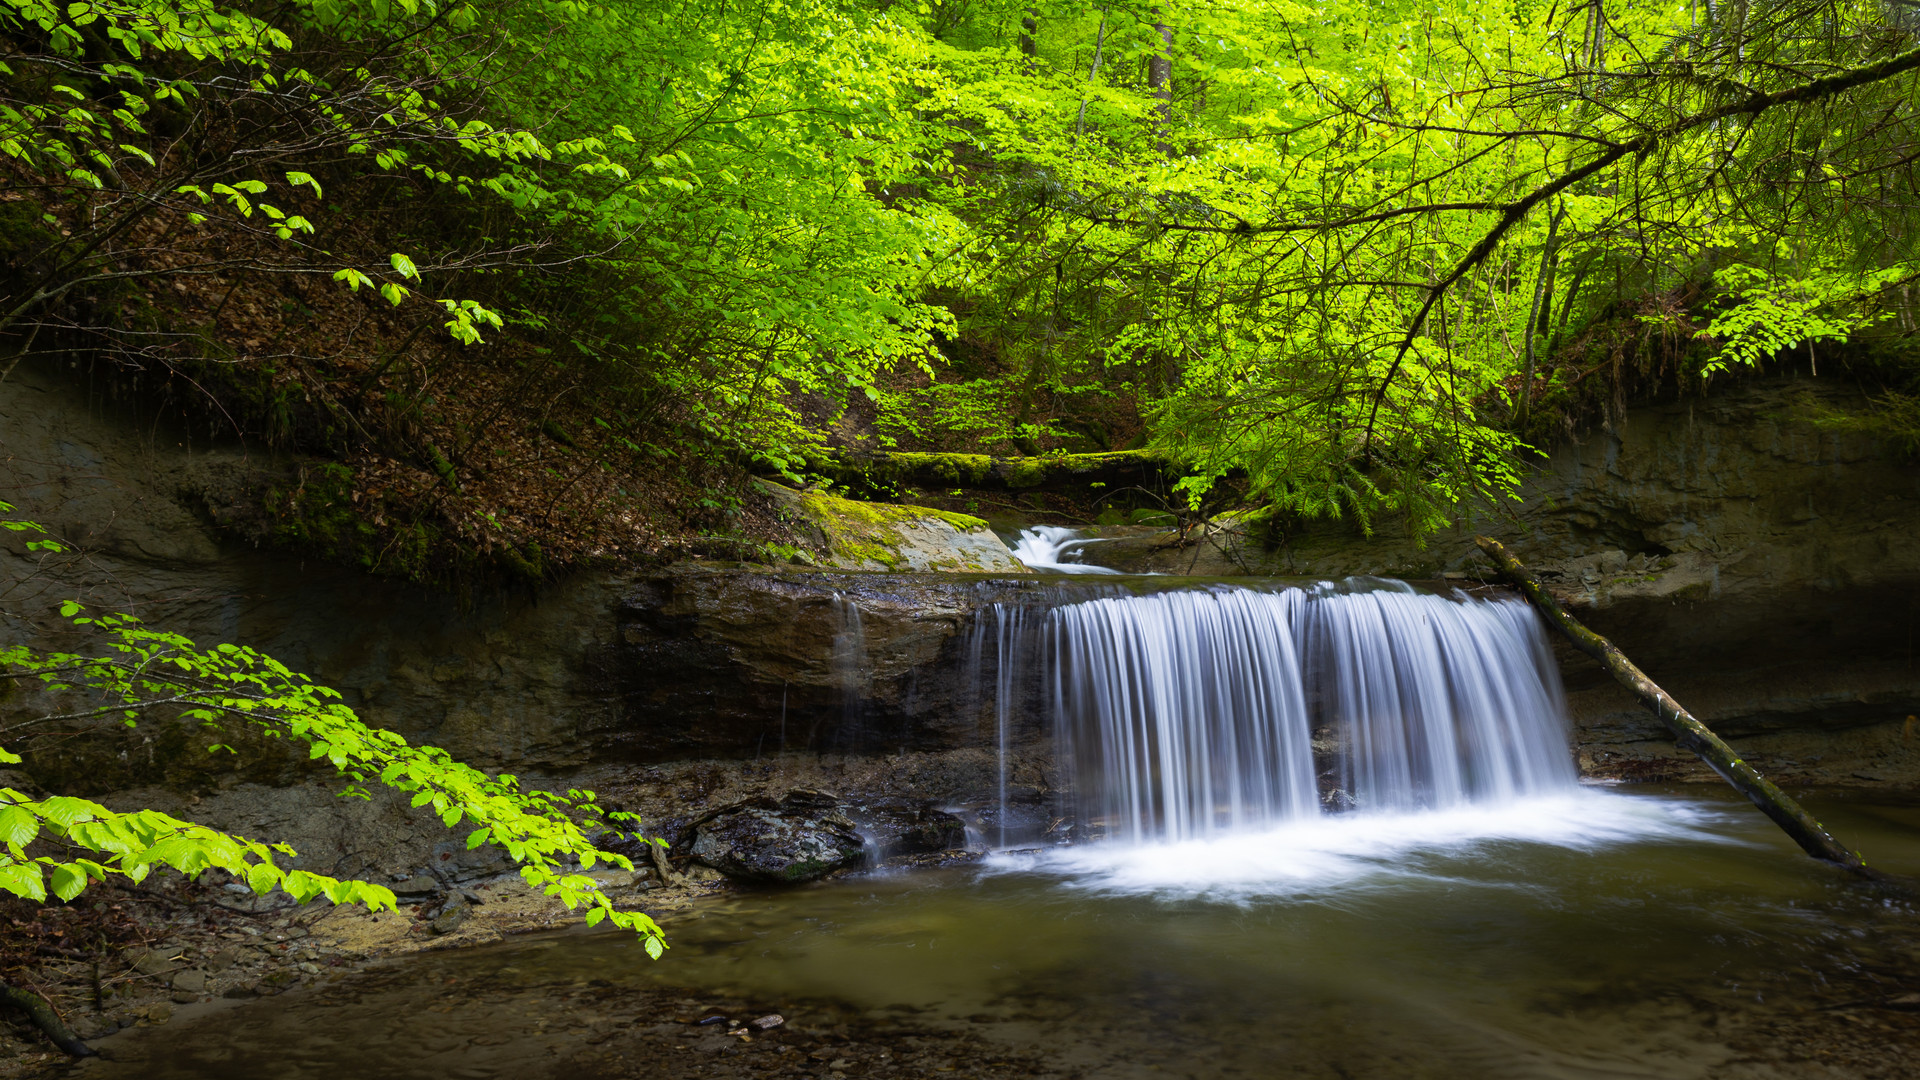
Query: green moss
(530, 563)
(957, 470)
(864, 533)
(885, 472)
(883, 515)
(1699, 590)
(1026, 472)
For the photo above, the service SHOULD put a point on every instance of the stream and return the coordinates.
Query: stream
(1601, 932)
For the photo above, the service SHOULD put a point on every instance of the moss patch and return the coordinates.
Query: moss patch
(946, 471)
(864, 535)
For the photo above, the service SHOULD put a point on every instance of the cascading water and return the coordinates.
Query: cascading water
(1443, 702)
(850, 665)
(1182, 712)
(1191, 714)
(1055, 549)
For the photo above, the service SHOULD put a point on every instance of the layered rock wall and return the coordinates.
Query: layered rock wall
(1765, 570)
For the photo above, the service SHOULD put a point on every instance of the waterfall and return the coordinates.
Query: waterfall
(1443, 702)
(851, 669)
(1194, 713)
(1008, 623)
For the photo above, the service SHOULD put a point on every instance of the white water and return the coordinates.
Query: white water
(1056, 549)
(1008, 622)
(1343, 855)
(1183, 712)
(1443, 702)
(1193, 715)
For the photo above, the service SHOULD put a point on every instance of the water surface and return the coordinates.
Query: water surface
(1607, 933)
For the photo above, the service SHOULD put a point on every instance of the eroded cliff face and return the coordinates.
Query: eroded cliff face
(1765, 571)
(599, 667)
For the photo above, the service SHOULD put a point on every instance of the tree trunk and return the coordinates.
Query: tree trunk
(1160, 82)
(45, 1019)
(1690, 734)
(1536, 322)
(1099, 42)
(1029, 28)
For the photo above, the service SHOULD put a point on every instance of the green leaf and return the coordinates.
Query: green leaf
(69, 881)
(23, 879)
(18, 826)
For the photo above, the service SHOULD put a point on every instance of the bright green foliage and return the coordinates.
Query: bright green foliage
(1326, 262)
(746, 189)
(137, 672)
(1316, 253)
(81, 97)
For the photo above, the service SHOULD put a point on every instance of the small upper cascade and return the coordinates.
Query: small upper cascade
(1056, 549)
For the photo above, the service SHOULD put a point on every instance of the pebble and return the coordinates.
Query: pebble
(450, 918)
(418, 885)
(769, 1021)
(156, 961)
(191, 981)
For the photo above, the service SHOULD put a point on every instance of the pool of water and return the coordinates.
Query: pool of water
(1608, 933)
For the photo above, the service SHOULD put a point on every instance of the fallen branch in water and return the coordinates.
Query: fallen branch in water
(46, 1019)
(1688, 733)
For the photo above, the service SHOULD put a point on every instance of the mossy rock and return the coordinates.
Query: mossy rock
(883, 536)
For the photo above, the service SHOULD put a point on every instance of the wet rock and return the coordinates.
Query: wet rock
(908, 827)
(1024, 818)
(800, 837)
(452, 914)
(241, 991)
(934, 860)
(277, 981)
(767, 1022)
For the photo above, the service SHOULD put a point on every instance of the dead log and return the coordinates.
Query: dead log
(1688, 733)
(45, 1019)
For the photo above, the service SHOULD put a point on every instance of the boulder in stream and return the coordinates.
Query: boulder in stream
(909, 827)
(799, 837)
